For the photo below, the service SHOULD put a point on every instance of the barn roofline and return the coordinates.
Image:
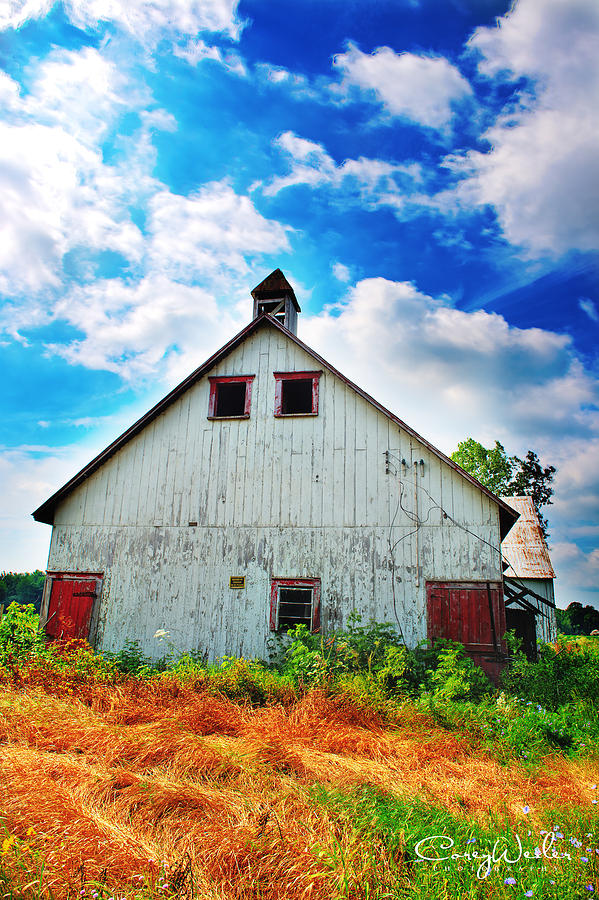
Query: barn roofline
(45, 512)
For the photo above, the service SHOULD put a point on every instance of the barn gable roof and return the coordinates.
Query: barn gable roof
(45, 512)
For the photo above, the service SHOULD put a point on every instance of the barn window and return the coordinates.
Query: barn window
(230, 396)
(295, 601)
(296, 393)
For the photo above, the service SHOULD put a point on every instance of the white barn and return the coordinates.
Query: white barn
(268, 489)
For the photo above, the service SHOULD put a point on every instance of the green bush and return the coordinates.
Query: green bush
(364, 647)
(372, 648)
(241, 679)
(19, 635)
(374, 653)
(456, 677)
(309, 660)
(402, 671)
(131, 660)
(564, 672)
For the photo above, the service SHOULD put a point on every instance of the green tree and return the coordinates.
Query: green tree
(492, 467)
(21, 588)
(530, 477)
(577, 619)
(508, 475)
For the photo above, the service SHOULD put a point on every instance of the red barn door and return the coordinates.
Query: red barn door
(70, 607)
(472, 613)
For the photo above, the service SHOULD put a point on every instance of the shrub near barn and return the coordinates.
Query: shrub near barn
(323, 773)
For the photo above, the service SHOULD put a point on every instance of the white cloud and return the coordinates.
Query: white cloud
(57, 193)
(159, 324)
(577, 574)
(29, 474)
(423, 89)
(341, 272)
(531, 39)
(577, 480)
(27, 477)
(129, 329)
(81, 91)
(573, 518)
(541, 174)
(147, 20)
(588, 307)
(209, 232)
(373, 180)
(452, 373)
(9, 92)
(195, 51)
(294, 84)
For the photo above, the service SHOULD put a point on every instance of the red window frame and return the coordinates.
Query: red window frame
(280, 377)
(313, 583)
(215, 380)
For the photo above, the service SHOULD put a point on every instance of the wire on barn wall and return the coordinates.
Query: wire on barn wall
(414, 517)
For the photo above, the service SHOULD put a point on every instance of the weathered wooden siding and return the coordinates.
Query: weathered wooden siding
(546, 627)
(288, 497)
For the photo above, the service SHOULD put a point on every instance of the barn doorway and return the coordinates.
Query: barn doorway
(70, 601)
(472, 613)
(522, 623)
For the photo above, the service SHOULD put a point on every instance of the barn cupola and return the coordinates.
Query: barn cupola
(275, 296)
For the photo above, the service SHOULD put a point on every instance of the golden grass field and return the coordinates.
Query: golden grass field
(138, 785)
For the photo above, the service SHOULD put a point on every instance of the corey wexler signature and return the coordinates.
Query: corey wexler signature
(438, 843)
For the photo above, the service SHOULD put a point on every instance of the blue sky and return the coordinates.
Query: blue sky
(425, 172)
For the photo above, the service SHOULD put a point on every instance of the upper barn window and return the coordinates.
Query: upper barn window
(296, 393)
(230, 396)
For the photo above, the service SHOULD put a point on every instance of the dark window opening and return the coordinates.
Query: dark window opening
(296, 393)
(230, 399)
(230, 396)
(269, 306)
(295, 607)
(296, 397)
